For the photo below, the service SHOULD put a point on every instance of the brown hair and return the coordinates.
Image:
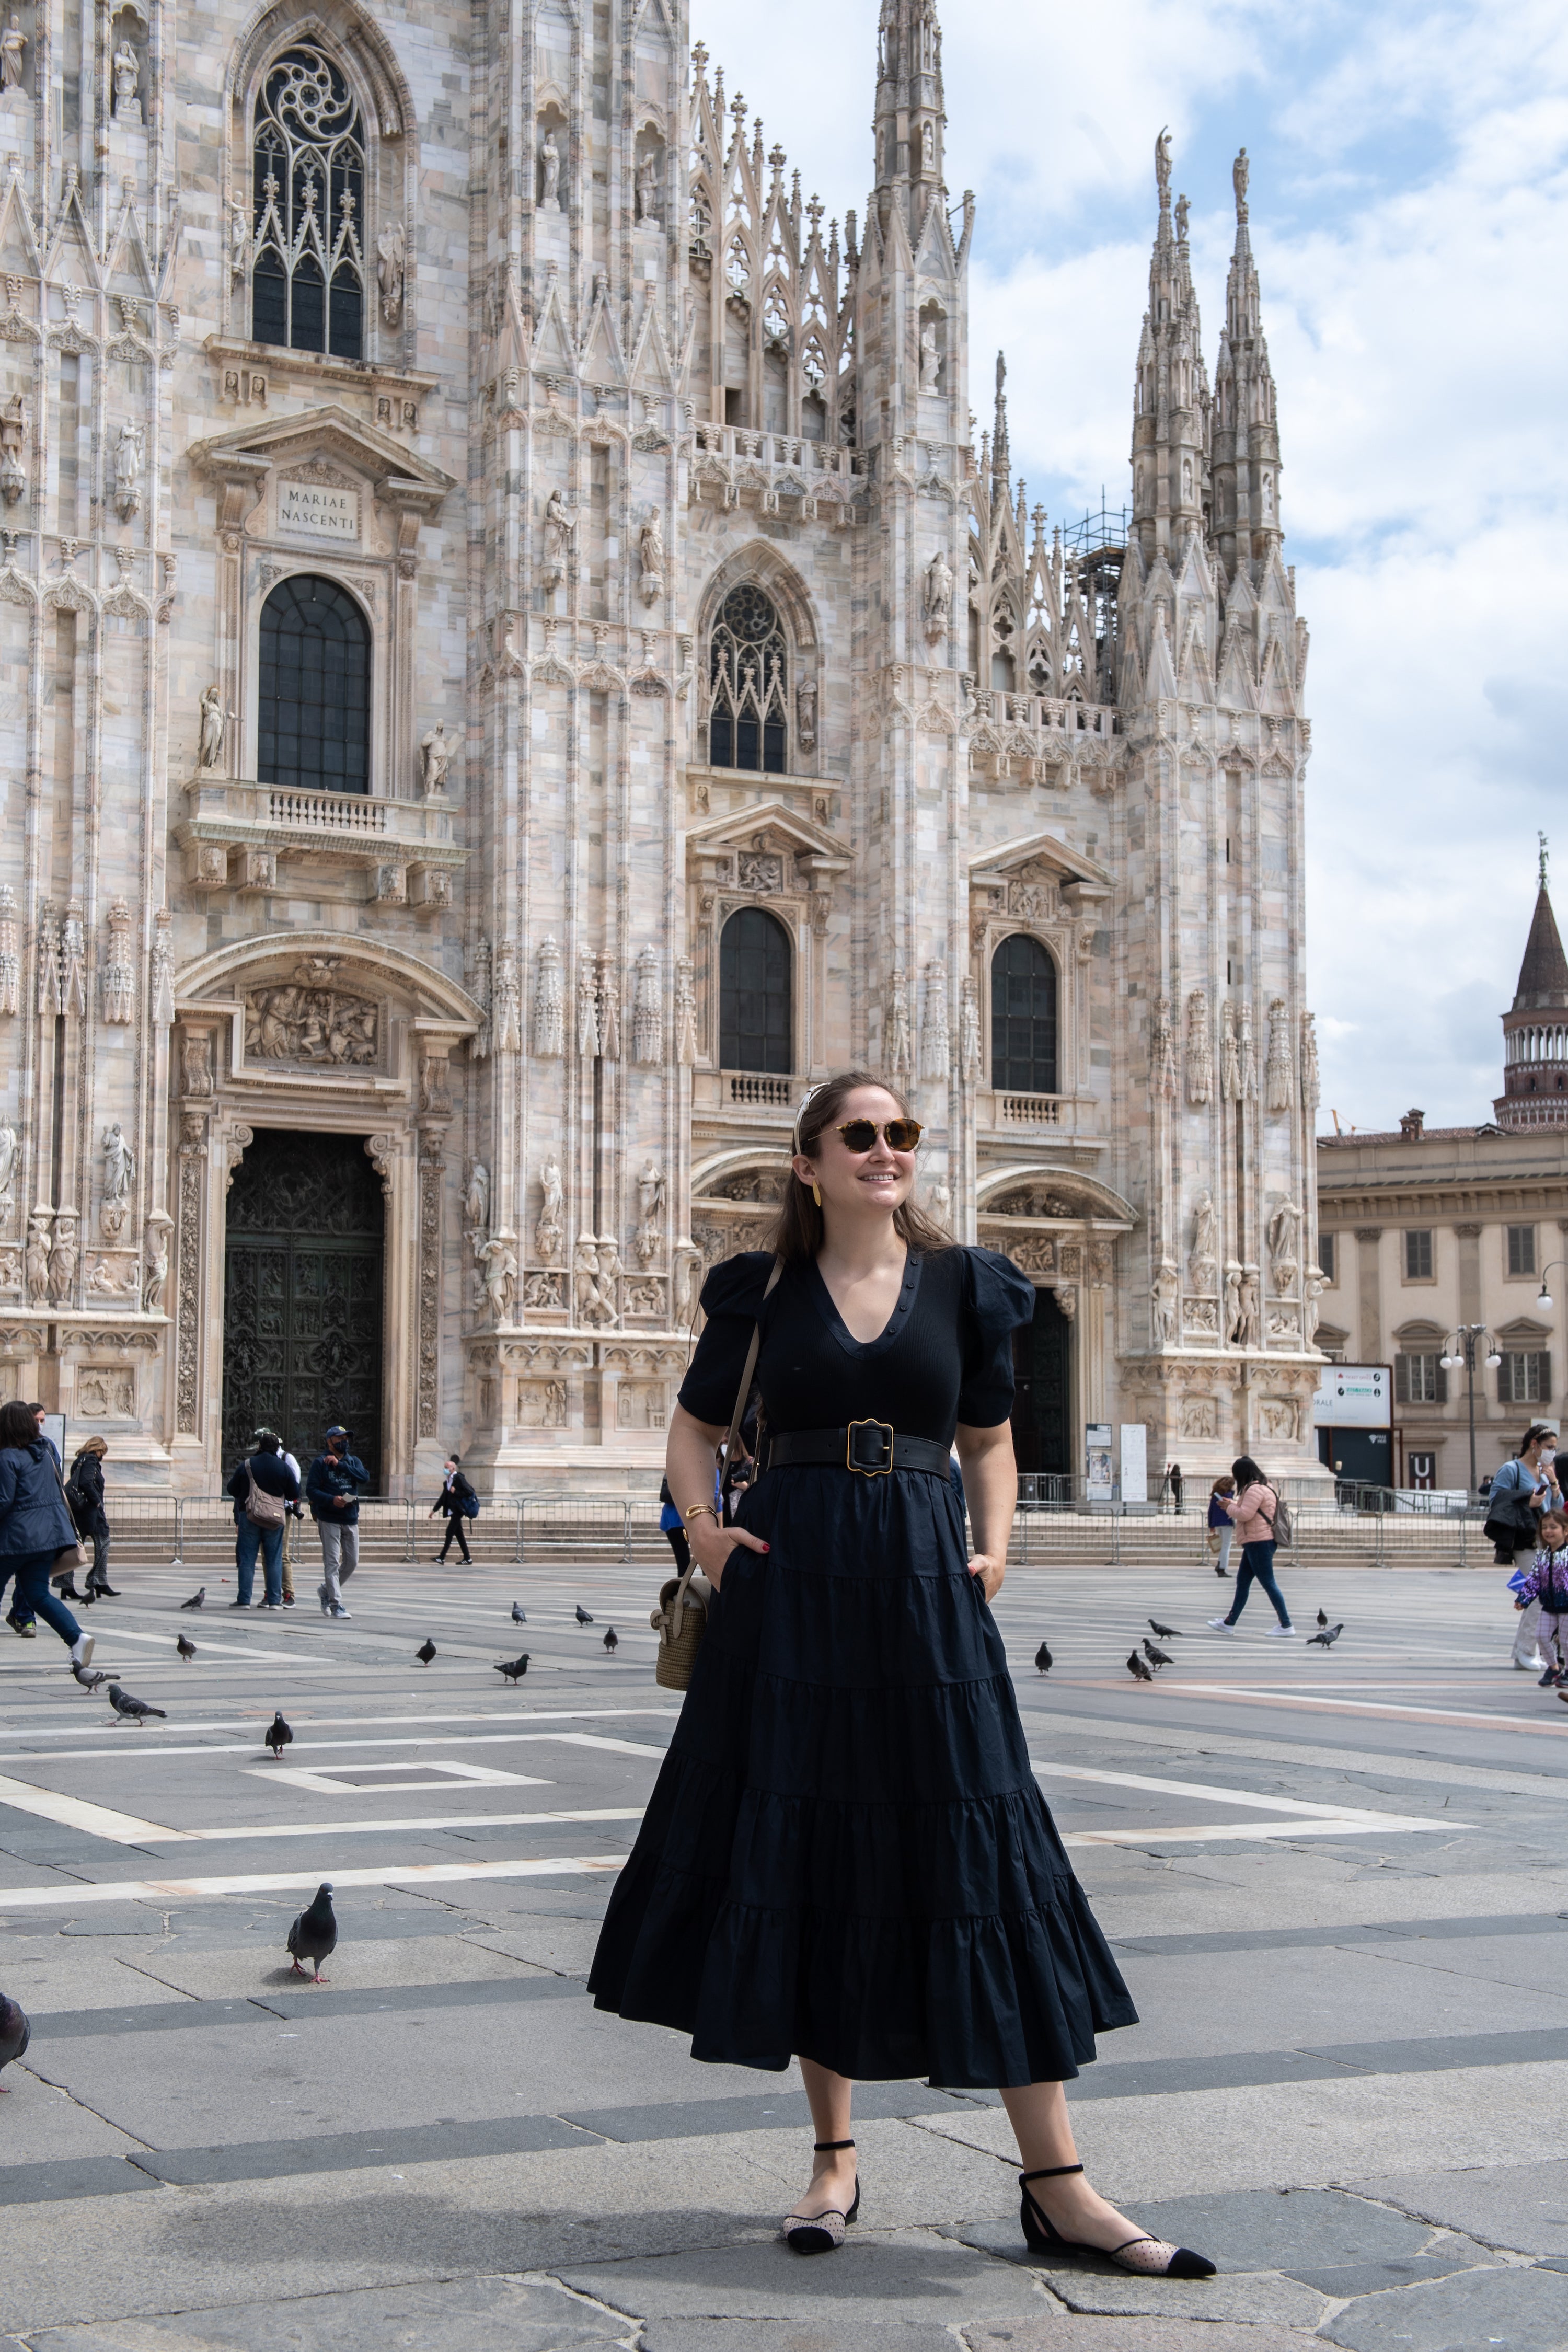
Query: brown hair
(1225, 1485)
(798, 1233)
(18, 1425)
(92, 1446)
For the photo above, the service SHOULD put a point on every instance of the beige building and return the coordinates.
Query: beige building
(1428, 1230)
(512, 665)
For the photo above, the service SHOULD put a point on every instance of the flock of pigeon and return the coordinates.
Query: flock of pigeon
(1144, 1664)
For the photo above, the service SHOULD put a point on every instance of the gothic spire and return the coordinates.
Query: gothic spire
(909, 117)
(1246, 424)
(1001, 460)
(1535, 1027)
(1170, 418)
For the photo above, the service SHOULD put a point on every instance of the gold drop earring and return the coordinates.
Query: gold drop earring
(816, 1192)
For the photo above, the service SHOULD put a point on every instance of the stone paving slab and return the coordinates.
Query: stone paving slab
(871, 2277)
(1085, 2284)
(799, 2336)
(1525, 2310)
(479, 2315)
(1520, 2206)
(1067, 2331)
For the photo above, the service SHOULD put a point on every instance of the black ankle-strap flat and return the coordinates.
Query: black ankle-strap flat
(1149, 2257)
(821, 2233)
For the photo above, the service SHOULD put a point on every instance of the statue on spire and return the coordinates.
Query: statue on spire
(1163, 168)
(1240, 174)
(1181, 211)
(1541, 837)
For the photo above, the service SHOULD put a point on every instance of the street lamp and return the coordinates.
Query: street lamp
(1544, 1301)
(1463, 1348)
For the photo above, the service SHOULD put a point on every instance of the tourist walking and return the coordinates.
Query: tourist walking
(672, 1526)
(1545, 1590)
(84, 1494)
(453, 1503)
(20, 1617)
(1221, 1526)
(1519, 1492)
(35, 1526)
(1253, 1514)
(331, 1489)
(1174, 1479)
(263, 1487)
(846, 1857)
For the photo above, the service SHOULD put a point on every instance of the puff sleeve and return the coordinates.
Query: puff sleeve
(731, 1300)
(998, 1299)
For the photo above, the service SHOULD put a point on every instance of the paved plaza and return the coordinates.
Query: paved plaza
(1336, 1881)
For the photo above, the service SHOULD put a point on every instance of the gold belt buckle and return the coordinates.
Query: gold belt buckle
(859, 1467)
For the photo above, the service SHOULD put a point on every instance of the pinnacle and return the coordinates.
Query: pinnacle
(1543, 974)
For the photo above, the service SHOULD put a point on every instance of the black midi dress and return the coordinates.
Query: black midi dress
(846, 1856)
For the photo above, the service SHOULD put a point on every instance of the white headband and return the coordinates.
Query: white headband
(805, 1102)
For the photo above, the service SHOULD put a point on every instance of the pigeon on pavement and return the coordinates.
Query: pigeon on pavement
(15, 2033)
(1166, 1633)
(1136, 1667)
(612, 1640)
(1155, 1655)
(583, 1616)
(1322, 1618)
(1043, 1659)
(314, 1935)
(514, 1669)
(132, 1710)
(425, 1651)
(1328, 1637)
(87, 1596)
(186, 1649)
(88, 1682)
(195, 1600)
(277, 1735)
(518, 1616)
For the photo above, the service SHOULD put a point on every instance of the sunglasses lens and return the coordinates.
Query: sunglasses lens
(859, 1134)
(903, 1134)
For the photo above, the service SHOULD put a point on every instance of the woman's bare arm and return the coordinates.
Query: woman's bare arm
(991, 1484)
(689, 1467)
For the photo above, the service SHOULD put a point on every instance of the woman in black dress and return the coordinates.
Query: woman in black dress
(846, 1856)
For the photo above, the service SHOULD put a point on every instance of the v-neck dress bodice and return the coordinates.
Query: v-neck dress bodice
(846, 1856)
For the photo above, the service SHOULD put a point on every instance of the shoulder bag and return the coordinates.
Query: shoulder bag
(71, 1555)
(681, 1618)
(1511, 1522)
(263, 1509)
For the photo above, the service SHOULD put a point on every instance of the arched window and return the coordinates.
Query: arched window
(1023, 1018)
(308, 281)
(313, 724)
(754, 1024)
(747, 671)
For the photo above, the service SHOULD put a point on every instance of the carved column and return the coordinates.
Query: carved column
(427, 1361)
(188, 1299)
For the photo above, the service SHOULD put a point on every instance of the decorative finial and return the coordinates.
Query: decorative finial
(1541, 837)
(1001, 372)
(1240, 173)
(1163, 168)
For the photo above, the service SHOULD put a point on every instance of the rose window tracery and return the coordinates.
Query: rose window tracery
(308, 280)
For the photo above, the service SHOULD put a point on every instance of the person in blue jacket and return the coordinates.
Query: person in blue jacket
(35, 1526)
(331, 1489)
(267, 1469)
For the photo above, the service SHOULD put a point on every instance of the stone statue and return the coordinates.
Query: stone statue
(548, 1232)
(931, 358)
(648, 191)
(499, 1261)
(592, 1287)
(14, 450)
(1163, 1049)
(1229, 1054)
(127, 472)
(119, 1165)
(550, 165)
(12, 49)
(8, 1148)
(196, 1062)
(559, 526)
(1232, 1315)
(1200, 1050)
(127, 77)
(63, 1258)
(650, 554)
(36, 1262)
(1314, 1284)
(390, 261)
(477, 1198)
(936, 599)
(806, 714)
(1201, 1263)
(650, 1193)
(155, 1271)
(238, 242)
(1248, 1332)
(1240, 174)
(1182, 210)
(1163, 1297)
(1284, 1228)
(215, 719)
(436, 757)
(1162, 166)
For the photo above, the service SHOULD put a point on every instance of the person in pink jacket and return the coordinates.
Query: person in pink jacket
(1253, 1512)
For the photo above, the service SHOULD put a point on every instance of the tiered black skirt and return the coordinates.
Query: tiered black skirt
(846, 1856)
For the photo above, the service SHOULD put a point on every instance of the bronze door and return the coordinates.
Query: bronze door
(1042, 1403)
(302, 1292)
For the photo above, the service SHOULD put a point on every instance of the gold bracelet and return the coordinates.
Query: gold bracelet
(697, 1511)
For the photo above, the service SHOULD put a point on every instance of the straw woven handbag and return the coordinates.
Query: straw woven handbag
(681, 1618)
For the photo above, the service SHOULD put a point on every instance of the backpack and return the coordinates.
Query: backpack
(468, 1501)
(1284, 1525)
(263, 1509)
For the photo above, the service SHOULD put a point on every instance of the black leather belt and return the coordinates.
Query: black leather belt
(873, 1448)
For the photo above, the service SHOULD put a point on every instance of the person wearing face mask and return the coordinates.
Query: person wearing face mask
(1520, 1491)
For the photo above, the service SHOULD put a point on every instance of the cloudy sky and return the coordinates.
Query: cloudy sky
(1409, 214)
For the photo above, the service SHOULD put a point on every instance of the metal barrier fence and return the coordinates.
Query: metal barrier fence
(1328, 1533)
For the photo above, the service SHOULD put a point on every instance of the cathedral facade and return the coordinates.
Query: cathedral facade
(512, 665)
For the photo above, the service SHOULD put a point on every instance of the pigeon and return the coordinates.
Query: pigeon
(1328, 1637)
(1136, 1667)
(583, 1616)
(15, 2033)
(135, 1710)
(195, 1600)
(518, 1616)
(86, 1597)
(514, 1669)
(1043, 1659)
(277, 1735)
(1323, 1618)
(88, 1682)
(314, 1935)
(1166, 1633)
(1156, 1657)
(425, 1651)
(186, 1649)
(612, 1640)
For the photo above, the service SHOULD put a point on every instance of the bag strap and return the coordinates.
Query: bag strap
(678, 1604)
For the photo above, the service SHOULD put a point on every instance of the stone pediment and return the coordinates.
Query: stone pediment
(996, 869)
(329, 436)
(1051, 1194)
(343, 965)
(763, 850)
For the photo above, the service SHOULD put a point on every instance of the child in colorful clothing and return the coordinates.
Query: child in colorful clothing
(1548, 1583)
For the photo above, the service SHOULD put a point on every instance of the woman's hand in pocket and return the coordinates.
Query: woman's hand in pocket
(712, 1545)
(988, 1573)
